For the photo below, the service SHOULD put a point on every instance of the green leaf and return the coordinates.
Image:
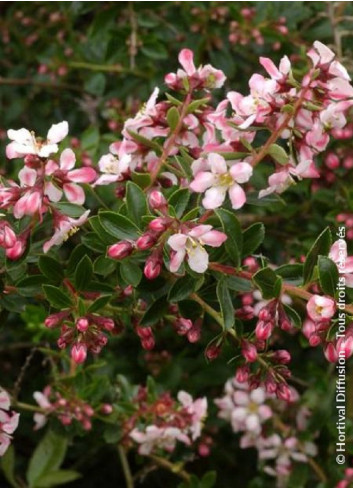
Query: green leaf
(83, 273)
(143, 180)
(291, 271)
(328, 275)
(51, 268)
(179, 200)
(182, 288)
(48, 456)
(7, 463)
(130, 273)
(104, 266)
(196, 104)
(31, 286)
(320, 247)
(293, 316)
(208, 479)
(173, 118)
(112, 433)
(268, 282)
(226, 304)
(71, 210)
(99, 303)
(239, 284)
(145, 141)
(56, 297)
(278, 153)
(56, 478)
(95, 84)
(232, 229)
(118, 226)
(135, 202)
(253, 236)
(155, 312)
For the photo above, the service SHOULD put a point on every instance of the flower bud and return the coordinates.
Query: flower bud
(282, 356)
(82, 325)
(79, 352)
(263, 330)
(159, 224)
(146, 241)
(330, 352)
(106, 409)
(153, 267)
(249, 351)
(213, 351)
(157, 200)
(120, 250)
(242, 374)
(283, 392)
(148, 343)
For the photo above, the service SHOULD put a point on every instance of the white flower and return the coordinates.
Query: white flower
(25, 142)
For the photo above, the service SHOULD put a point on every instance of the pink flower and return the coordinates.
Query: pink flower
(320, 308)
(158, 437)
(280, 181)
(8, 421)
(64, 228)
(31, 201)
(191, 244)
(245, 409)
(63, 176)
(203, 77)
(24, 142)
(339, 255)
(196, 409)
(42, 399)
(220, 180)
(114, 165)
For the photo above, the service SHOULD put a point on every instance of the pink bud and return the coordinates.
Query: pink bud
(282, 356)
(153, 267)
(106, 409)
(157, 200)
(79, 352)
(148, 343)
(212, 352)
(82, 324)
(332, 161)
(146, 241)
(249, 351)
(159, 224)
(86, 424)
(344, 347)
(283, 392)
(183, 325)
(270, 384)
(204, 450)
(120, 250)
(7, 236)
(194, 334)
(16, 251)
(330, 353)
(242, 374)
(263, 330)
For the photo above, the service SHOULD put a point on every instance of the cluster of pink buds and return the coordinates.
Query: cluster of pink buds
(253, 413)
(188, 243)
(13, 245)
(246, 30)
(83, 334)
(160, 424)
(146, 336)
(270, 315)
(8, 421)
(65, 408)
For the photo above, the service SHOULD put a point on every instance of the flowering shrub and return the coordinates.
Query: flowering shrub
(201, 242)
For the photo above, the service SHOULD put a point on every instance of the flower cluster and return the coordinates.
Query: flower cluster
(8, 421)
(159, 425)
(66, 408)
(84, 333)
(42, 183)
(255, 414)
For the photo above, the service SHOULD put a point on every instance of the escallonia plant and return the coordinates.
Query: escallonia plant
(159, 241)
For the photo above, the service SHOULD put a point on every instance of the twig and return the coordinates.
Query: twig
(174, 468)
(125, 466)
